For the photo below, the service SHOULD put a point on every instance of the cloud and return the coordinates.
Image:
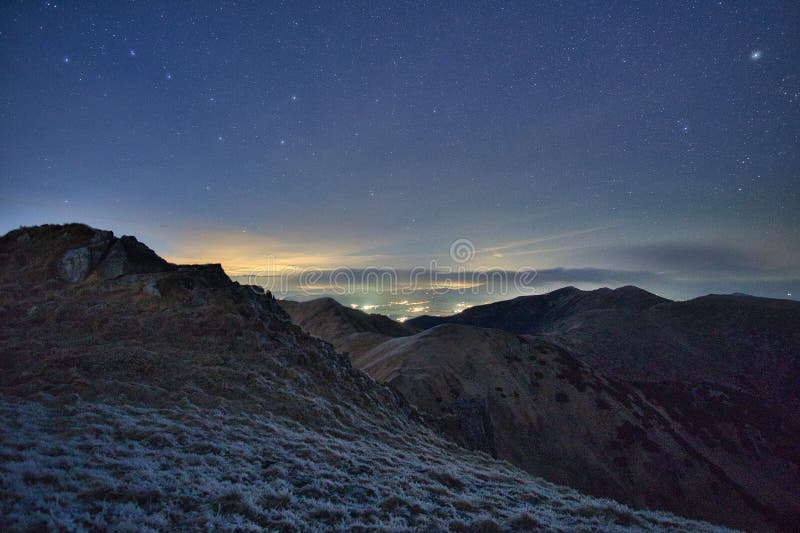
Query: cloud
(689, 258)
(594, 275)
(499, 249)
(424, 279)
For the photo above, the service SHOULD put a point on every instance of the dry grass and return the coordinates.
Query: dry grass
(188, 467)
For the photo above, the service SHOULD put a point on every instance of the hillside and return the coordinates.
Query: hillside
(140, 395)
(745, 440)
(743, 341)
(738, 340)
(747, 344)
(349, 330)
(528, 401)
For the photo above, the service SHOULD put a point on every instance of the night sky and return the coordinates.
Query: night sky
(600, 143)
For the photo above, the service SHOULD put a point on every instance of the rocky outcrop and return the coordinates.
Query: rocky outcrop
(129, 256)
(109, 257)
(76, 263)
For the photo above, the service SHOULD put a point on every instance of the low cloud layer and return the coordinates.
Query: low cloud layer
(697, 259)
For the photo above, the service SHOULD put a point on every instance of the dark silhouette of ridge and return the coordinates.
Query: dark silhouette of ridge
(539, 314)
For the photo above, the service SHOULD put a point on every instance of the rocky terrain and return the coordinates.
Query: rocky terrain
(140, 395)
(700, 447)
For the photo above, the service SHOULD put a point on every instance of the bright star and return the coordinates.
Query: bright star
(66, 59)
(755, 55)
(294, 98)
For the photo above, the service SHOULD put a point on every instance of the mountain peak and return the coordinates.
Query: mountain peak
(540, 313)
(74, 252)
(569, 289)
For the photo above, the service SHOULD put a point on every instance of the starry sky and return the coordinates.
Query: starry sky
(599, 143)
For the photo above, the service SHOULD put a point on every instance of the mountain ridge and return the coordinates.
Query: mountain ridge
(178, 399)
(543, 312)
(727, 442)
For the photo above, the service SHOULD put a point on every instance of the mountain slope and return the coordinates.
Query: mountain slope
(690, 368)
(740, 341)
(741, 345)
(530, 402)
(748, 344)
(136, 394)
(349, 330)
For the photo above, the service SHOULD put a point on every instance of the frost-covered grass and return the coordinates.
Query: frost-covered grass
(90, 465)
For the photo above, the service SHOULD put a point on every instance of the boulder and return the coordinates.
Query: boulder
(75, 264)
(128, 256)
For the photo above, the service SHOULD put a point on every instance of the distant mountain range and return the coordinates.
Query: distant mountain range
(747, 343)
(685, 406)
(544, 313)
(142, 395)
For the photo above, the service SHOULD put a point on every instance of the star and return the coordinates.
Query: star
(755, 55)
(65, 59)
(132, 52)
(294, 98)
(168, 76)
